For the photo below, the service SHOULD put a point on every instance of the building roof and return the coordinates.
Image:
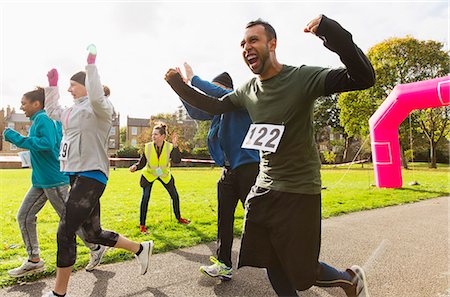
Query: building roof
(136, 122)
(18, 118)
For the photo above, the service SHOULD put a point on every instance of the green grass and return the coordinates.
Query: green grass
(347, 191)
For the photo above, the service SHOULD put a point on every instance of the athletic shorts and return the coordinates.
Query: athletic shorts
(285, 227)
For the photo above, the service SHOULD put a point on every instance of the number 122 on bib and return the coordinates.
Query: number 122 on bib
(263, 137)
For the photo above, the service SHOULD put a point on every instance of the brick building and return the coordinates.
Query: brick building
(17, 121)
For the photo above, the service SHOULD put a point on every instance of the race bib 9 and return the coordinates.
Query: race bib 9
(64, 150)
(263, 137)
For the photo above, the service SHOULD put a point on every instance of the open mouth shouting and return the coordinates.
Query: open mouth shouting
(252, 61)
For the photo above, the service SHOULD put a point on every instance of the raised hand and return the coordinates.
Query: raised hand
(189, 71)
(175, 139)
(52, 76)
(171, 73)
(312, 26)
(181, 74)
(92, 54)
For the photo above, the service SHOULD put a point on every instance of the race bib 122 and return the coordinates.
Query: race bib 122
(263, 137)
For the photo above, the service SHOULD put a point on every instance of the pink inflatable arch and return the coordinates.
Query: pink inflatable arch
(385, 121)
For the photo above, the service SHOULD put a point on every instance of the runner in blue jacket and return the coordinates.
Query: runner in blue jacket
(240, 166)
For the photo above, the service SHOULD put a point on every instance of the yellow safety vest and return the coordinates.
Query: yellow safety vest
(157, 167)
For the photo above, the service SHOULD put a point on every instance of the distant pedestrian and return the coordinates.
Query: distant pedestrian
(240, 166)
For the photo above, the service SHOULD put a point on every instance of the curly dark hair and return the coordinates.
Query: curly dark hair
(37, 94)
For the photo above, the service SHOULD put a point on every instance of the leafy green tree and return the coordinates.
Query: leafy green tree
(326, 122)
(326, 112)
(185, 131)
(435, 124)
(123, 135)
(399, 61)
(329, 156)
(201, 136)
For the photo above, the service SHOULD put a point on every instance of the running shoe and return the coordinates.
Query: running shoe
(143, 229)
(184, 221)
(144, 256)
(359, 287)
(27, 268)
(217, 269)
(96, 257)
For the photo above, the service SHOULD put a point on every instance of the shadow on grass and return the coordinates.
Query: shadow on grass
(438, 193)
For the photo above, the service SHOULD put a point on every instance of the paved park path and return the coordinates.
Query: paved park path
(405, 250)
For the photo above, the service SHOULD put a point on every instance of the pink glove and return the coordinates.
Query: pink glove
(52, 76)
(92, 54)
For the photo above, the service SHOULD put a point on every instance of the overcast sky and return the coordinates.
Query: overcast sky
(137, 41)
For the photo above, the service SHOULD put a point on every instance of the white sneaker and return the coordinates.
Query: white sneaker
(27, 268)
(144, 256)
(217, 269)
(359, 287)
(50, 294)
(96, 257)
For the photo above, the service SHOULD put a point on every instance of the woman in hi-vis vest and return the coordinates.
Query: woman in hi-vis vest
(155, 165)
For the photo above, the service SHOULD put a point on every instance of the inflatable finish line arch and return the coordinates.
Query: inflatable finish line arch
(385, 121)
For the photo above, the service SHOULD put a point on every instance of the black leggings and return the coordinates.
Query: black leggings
(233, 185)
(82, 209)
(170, 187)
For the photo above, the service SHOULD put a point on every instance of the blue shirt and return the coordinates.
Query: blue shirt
(93, 174)
(43, 143)
(227, 131)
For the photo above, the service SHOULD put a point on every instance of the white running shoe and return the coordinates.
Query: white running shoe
(144, 256)
(359, 288)
(27, 268)
(217, 269)
(96, 257)
(50, 294)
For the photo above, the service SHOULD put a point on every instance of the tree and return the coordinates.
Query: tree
(123, 135)
(356, 109)
(185, 130)
(326, 112)
(201, 136)
(326, 122)
(329, 156)
(400, 61)
(434, 123)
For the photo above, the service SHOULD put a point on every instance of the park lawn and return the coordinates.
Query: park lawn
(347, 190)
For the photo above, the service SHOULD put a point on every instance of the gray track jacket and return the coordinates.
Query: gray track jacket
(86, 126)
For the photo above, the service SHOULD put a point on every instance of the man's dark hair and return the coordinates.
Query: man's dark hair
(36, 95)
(270, 31)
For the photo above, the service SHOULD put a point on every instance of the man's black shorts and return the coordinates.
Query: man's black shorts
(286, 226)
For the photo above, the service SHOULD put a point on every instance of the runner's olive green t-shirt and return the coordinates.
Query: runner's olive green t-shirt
(287, 99)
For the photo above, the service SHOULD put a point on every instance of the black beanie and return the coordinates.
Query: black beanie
(79, 77)
(224, 79)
